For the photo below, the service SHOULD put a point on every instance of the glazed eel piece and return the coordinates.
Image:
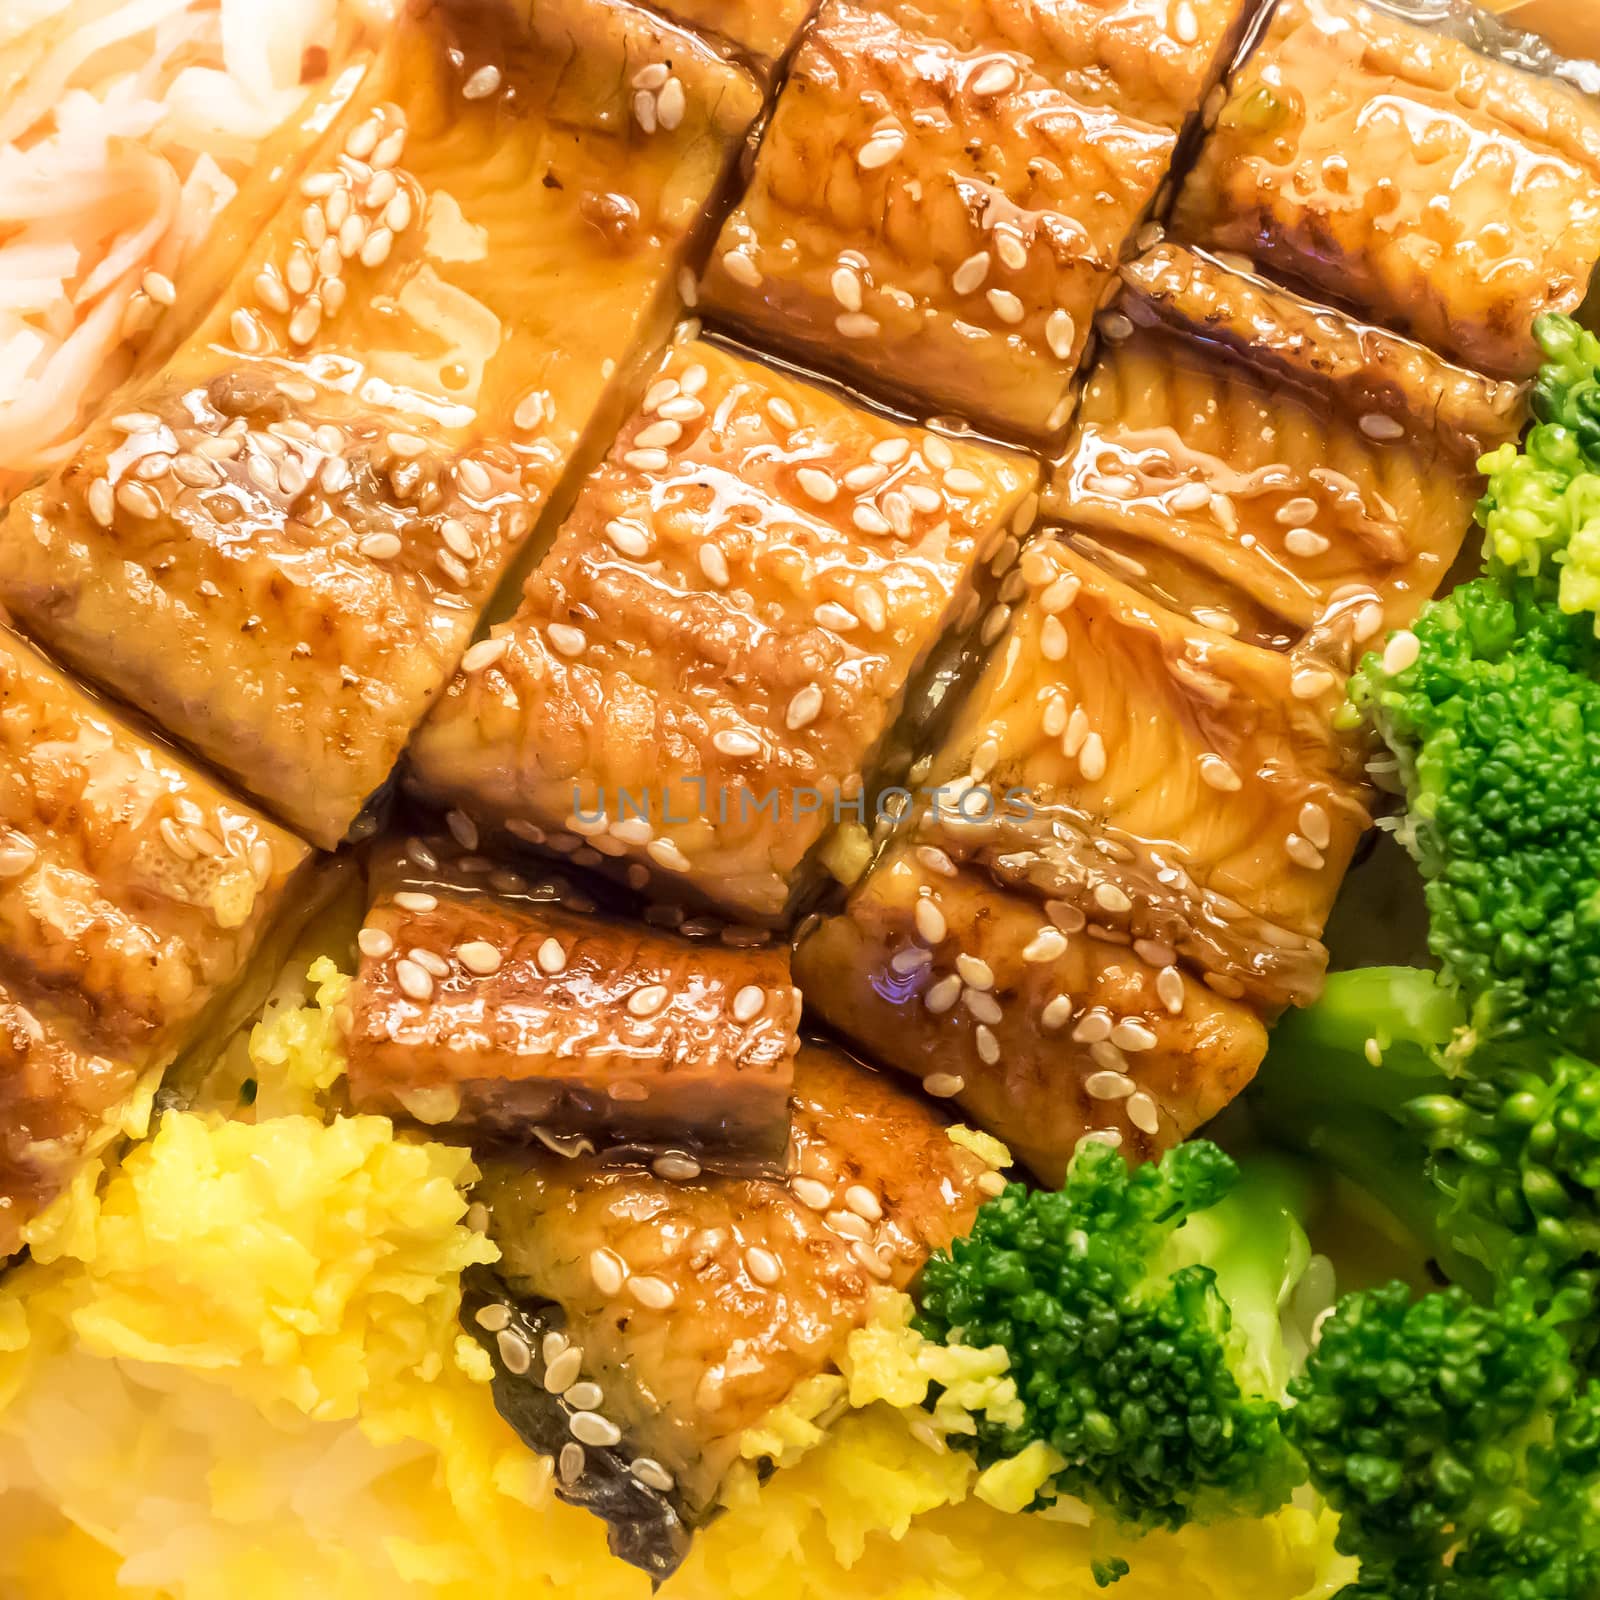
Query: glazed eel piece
(134, 894)
(280, 545)
(534, 1017)
(645, 1323)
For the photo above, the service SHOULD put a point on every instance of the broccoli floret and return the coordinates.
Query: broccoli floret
(1541, 513)
(1495, 725)
(1445, 1433)
(1139, 1312)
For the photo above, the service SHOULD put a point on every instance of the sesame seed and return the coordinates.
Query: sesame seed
(930, 923)
(762, 1265)
(375, 251)
(995, 77)
(570, 1463)
(1093, 1027)
(378, 546)
(633, 830)
(658, 435)
(480, 957)
(846, 285)
(589, 1427)
(1011, 248)
(880, 150)
(869, 519)
(567, 640)
(416, 901)
(374, 942)
(811, 1193)
(736, 742)
(867, 476)
(646, 460)
(832, 615)
(493, 1318)
(608, 1270)
(944, 1085)
(515, 1355)
(923, 498)
(305, 322)
(780, 411)
(484, 654)
(1072, 740)
(871, 1260)
(481, 84)
(1052, 639)
(864, 1202)
(804, 708)
(975, 972)
(1060, 594)
(138, 500)
(1005, 305)
(1108, 1085)
(938, 454)
(644, 110)
(551, 957)
(665, 853)
(1092, 759)
(714, 565)
(1185, 24)
(628, 538)
(871, 606)
(991, 1184)
(1061, 333)
(246, 331)
(671, 104)
(1057, 1012)
(982, 1006)
(654, 1294)
(988, 1045)
(942, 995)
(1046, 945)
(1303, 853)
(1130, 1034)
(1314, 824)
(961, 481)
(1110, 898)
(1376, 425)
(856, 325)
(969, 276)
(935, 860)
(817, 485)
(1306, 683)
(646, 1002)
(1218, 774)
(102, 502)
(562, 1370)
(1305, 542)
(1401, 652)
(652, 1474)
(414, 982)
(1169, 989)
(389, 149)
(676, 1167)
(742, 269)
(849, 1224)
(1143, 1113)
(462, 829)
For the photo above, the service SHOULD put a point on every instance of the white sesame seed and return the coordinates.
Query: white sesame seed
(1306, 683)
(567, 640)
(562, 1370)
(417, 901)
(1305, 542)
(1314, 824)
(1005, 305)
(389, 150)
(944, 1085)
(1061, 333)
(714, 565)
(845, 283)
(246, 331)
(1092, 759)
(1185, 24)
(864, 1202)
(481, 84)
(781, 413)
(849, 1224)
(762, 1265)
(493, 1318)
(1052, 639)
(817, 485)
(804, 708)
(374, 942)
(608, 1270)
(102, 502)
(988, 1045)
(1093, 1027)
(832, 615)
(1108, 1085)
(1059, 594)
(1143, 1113)
(930, 923)
(138, 500)
(1132, 1035)
(1303, 853)
(586, 1395)
(676, 1167)
(305, 322)
(1011, 248)
(589, 1427)
(1401, 652)
(869, 519)
(856, 325)
(958, 480)
(667, 854)
(1216, 772)
(991, 1184)
(1046, 945)
(671, 104)
(981, 1006)
(646, 1002)
(1072, 740)
(975, 972)
(646, 460)
(414, 983)
(742, 269)
(654, 1294)
(480, 957)
(969, 276)
(1110, 898)
(736, 742)
(551, 958)
(995, 77)
(867, 476)
(880, 150)
(871, 606)
(379, 546)
(515, 1355)
(923, 498)
(812, 1193)
(570, 1463)
(1057, 1012)
(1376, 425)
(652, 1474)
(749, 1003)
(942, 995)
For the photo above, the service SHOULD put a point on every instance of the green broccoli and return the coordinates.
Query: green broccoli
(1541, 514)
(1495, 724)
(1454, 1442)
(1140, 1312)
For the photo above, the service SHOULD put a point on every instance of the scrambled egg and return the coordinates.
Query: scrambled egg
(233, 1371)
